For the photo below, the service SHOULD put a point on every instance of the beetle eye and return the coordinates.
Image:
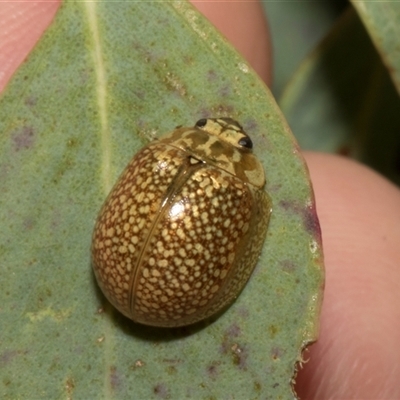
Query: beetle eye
(246, 142)
(201, 123)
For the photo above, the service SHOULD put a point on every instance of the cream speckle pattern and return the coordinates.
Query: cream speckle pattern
(182, 229)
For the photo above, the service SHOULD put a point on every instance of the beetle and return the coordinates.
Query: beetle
(181, 231)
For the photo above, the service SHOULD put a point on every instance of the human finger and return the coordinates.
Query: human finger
(357, 355)
(21, 25)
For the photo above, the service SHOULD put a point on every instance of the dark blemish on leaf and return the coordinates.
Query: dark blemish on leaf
(73, 142)
(70, 386)
(288, 266)
(239, 356)
(289, 206)
(175, 111)
(311, 222)
(257, 386)
(188, 60)
(31, 101)
(32, 262)
(204, 113)
(212, 370)
(276, 353)
(309, 217)
(173, 83)
(173, 366)
(212, 76)
(161, 390)
(171, 370)
(225, 345)
(230, 335)
(28, 224)
(225, 91)
(55, 365)
(251, 125)
(273, 330)
(144, 53)
(7, 357)
(243, 312)
(233, 331)
(140, 95)
(23, 138)
(114, 378)
(274, 188)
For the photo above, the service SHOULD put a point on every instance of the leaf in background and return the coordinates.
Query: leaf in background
(342, 100)
(382, 21)
(105, 76)
(296, 27)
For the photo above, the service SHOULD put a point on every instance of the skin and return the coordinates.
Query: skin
(358, 353)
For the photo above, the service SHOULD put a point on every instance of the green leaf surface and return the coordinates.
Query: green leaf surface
(106, 77)
(382, 20)
(342, 100)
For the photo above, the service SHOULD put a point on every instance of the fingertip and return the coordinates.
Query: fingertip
(357, 355)
(22, 24)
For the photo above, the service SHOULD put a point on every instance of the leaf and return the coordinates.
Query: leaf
(382, 20)
(296, 28)
(105, 77)
(342, 100)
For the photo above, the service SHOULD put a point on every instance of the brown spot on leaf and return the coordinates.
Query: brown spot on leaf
(230, 335)
(240, 355)
(114, 377)
(288, 266)
(161, 390)
(311, 222)
(28, 223)
(289, 206)
(171, 370)
(7, 357)
(272, 329)
(308, 214)
(212, 370)
(243, 312)
(31, 101)
(257, 386)
(69, 387)
(225, 91)
(23, 138)
(212, 75)
(233, 331)
(276, 353)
